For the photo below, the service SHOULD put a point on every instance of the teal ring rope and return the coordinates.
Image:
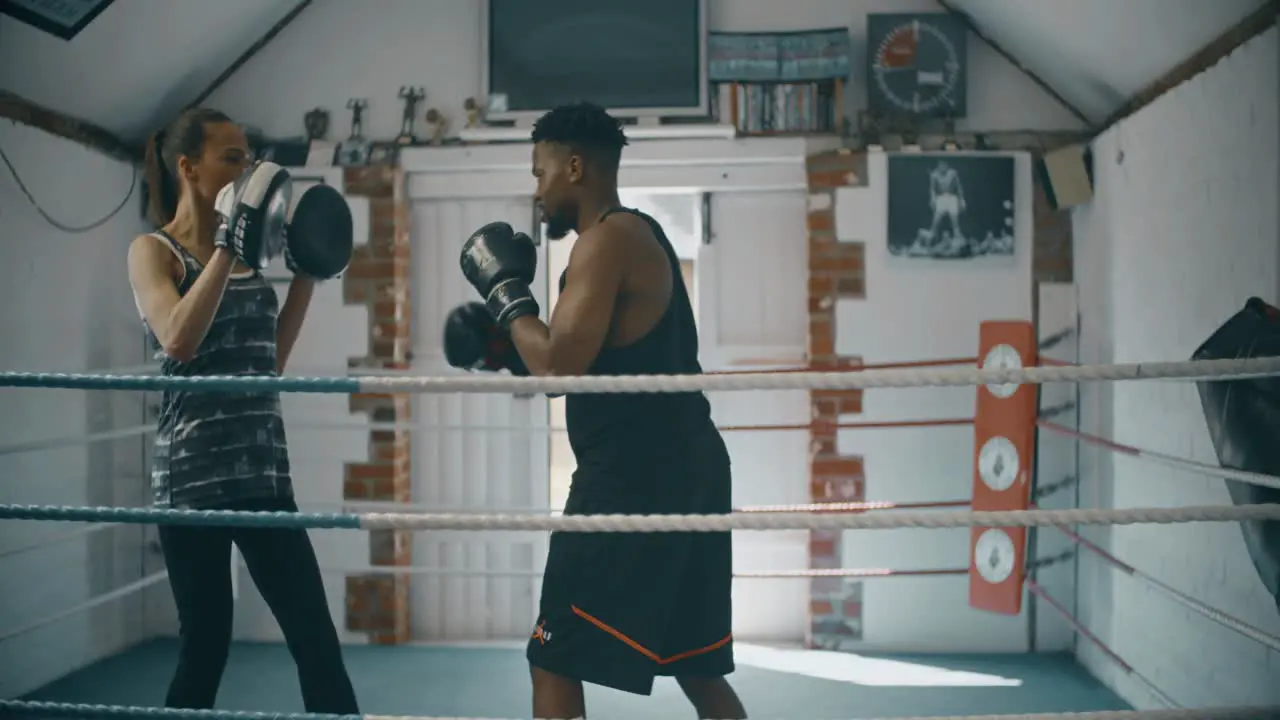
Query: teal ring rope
(21, 709)
(208, 383)
(17, 708)
(170, 516)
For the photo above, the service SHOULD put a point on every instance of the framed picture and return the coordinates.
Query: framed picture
(951, 206)
(62, 20)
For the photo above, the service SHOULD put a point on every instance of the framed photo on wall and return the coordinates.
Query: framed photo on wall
(951, 206)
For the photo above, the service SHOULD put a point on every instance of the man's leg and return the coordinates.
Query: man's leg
(712, 697)
(701, 628)
(554, 652)
(953, 220)
(596, 621)
(556, 697)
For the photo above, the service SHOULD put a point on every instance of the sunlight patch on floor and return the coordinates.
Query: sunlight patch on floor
(858, 670)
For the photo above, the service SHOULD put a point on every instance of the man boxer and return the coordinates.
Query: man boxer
(617, 609)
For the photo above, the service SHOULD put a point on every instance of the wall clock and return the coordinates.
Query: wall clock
(917, 64)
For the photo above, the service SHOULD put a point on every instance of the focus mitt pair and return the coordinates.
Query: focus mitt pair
(261, 217)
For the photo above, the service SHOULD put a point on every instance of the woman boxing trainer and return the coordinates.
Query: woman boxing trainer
(209, 311)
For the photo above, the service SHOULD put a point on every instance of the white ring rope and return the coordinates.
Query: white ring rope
(1246, 713)
(819, 521)
(1228, 621)
(91, 603)
(38, 709)
(1244, 476)
(431, 571)
(81, 439)
(1084, 632)
(54, 539)
(1209, 370)
(1228, 369)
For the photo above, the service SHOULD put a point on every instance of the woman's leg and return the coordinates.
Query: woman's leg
(284, 567)
(199, 564)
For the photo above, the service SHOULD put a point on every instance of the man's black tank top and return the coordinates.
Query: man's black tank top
(620, 433)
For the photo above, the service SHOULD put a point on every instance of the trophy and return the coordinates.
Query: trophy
(411, 96)
(355, 149)
(317, 124)
(473, 112)
(437, 126)
(320, 152)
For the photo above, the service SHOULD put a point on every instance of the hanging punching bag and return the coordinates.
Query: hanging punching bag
(1244, 422)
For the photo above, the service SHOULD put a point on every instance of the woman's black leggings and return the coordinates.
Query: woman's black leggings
(283, 566)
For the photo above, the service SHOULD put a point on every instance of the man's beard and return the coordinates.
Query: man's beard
(559, 226)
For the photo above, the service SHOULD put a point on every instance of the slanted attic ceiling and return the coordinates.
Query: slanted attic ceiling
(138, 63)
(1099, 53)
(141, 61)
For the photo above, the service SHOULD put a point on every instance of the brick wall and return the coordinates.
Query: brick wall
(378, 278)
(835, 272)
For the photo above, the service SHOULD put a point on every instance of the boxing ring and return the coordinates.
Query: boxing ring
(1002, 514)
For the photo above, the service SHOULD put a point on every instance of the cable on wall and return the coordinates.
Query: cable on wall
(133, 185)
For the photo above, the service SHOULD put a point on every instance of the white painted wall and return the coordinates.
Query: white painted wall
(1182, 230)
(1057, 464)
(65, 306)
(917, 309)
(337, 50)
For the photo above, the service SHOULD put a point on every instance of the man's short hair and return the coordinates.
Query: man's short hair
(587, 129)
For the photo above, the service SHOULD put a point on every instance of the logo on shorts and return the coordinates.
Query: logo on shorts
(541, 634)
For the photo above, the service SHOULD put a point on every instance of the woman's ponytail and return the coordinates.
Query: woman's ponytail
(162, 191)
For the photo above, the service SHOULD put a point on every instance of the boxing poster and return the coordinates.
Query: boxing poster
(951, 206)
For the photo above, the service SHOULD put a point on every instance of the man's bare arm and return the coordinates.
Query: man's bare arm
(583, 314)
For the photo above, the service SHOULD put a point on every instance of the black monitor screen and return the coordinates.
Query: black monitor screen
(615, 53)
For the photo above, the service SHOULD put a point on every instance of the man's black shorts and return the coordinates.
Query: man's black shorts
(618, 609)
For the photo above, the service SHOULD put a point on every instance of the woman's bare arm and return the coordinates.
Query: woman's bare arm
(289, 324)
(179, 322)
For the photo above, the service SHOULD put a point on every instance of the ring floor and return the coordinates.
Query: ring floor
(493, 682)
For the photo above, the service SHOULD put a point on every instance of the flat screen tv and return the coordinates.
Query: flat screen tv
(637, 58)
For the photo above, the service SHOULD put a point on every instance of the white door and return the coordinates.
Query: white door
(471, 452)
(753, 315)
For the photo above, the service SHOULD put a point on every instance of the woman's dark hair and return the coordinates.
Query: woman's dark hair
(184, 136)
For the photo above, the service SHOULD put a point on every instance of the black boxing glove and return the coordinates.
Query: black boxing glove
(500, 264)
(473, 341)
